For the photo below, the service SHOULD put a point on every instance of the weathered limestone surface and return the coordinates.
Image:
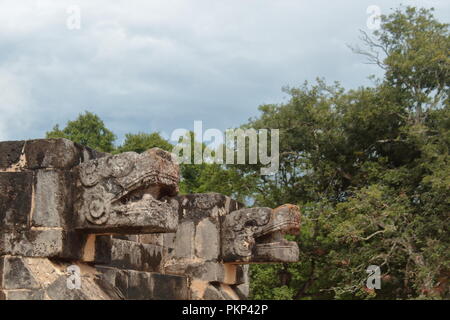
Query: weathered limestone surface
(38, 278)
(44, 153)
(139, 285)
(126, 254)
(79, 224)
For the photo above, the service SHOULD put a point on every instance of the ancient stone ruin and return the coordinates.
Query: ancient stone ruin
(79, 224)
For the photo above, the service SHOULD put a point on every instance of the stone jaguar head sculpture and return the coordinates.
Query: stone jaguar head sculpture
(257, 235)
(121, 193)
(224, 230)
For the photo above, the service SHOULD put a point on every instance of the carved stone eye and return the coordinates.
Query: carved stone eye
(119, 166)
(97, 211)
(88, 173)
(96, 208)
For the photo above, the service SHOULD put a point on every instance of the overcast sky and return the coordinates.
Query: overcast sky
(158, 65)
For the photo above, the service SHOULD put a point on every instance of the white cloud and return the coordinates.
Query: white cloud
(14, 105)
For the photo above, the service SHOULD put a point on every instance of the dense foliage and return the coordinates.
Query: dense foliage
(370, 169)
(89, 130)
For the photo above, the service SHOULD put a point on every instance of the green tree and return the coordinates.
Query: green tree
(412, 47)
(141, 142)
(373, 189)
(89, 130)
(370, 170)
(213, 177)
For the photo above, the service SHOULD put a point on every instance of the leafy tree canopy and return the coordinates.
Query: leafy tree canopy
(370, 170)
(141, 142)
(89, 130)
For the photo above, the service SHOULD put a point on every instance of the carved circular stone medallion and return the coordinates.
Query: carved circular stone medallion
(97, 210)
(88, 174)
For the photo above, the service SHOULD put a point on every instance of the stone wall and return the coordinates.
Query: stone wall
(80, 224)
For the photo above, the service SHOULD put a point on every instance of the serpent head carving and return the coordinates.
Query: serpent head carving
(257, 235)
(121, 193)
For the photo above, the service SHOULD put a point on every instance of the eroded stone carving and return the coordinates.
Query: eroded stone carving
(122, 193)
(257, 235)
